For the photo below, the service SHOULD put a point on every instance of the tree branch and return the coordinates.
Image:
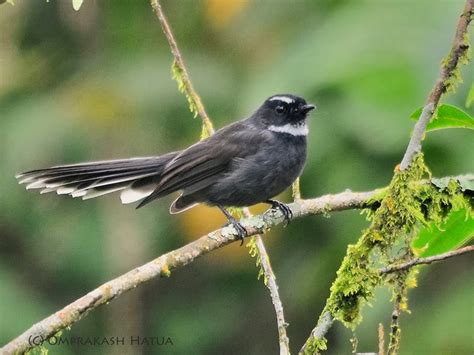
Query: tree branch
(163, 265)
(193, 97)
(273, 288)
(427, 260)
(381, 335)
(445, 81)
(325, 323)
(394, 342)
(270, 282)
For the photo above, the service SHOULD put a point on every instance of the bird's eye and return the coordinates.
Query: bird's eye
(279, 109)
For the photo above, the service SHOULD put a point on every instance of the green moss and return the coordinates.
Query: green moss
(454, 77)
(193, 100)
(315, 346)
(204, 132)
(37, 350)
(165, 271)
(406, 203)
(41, 349)
(357, 277)
(177, 74)
(254, 253)
(355, 282)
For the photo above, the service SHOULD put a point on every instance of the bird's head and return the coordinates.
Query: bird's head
(284, 113)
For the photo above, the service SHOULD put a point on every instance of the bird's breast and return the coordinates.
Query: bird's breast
(259, 177)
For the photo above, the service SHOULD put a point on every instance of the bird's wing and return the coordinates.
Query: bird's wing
(205, 162)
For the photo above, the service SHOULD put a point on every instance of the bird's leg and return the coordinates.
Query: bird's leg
(287, 213)
(241, 231)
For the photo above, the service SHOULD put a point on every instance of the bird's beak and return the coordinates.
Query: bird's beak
(308, 107)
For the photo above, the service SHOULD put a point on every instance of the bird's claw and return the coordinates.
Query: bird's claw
(240, 229)
(287, 213)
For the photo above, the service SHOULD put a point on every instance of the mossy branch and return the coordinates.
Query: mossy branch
(395, 331)
(428, 260)
(392, 223)
(317, 341)
(180, 73)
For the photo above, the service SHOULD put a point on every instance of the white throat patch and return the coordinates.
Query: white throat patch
(297, 129)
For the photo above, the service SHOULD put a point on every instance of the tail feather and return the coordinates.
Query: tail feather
(137, 192)
(88, 169)
(136, 178)
(182, 203)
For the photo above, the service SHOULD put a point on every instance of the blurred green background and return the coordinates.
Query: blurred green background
(95, 84)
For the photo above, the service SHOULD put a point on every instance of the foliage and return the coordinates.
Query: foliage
(447, 116)
(456, 230)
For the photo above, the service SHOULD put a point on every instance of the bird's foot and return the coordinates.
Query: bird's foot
(287, 213)
(240, 229)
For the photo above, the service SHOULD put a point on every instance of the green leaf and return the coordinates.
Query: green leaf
(446, 116)
(76, 4)
(457, 230)
(470, 96)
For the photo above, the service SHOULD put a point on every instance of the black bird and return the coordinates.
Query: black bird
(242, 164)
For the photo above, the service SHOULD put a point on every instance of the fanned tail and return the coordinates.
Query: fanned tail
(136, 178)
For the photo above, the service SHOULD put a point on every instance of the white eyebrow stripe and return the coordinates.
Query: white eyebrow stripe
(294, 130)
(286, 99)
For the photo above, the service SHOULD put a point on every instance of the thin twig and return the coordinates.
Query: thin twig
(448, 68)
(273, 288)
(188, 86)
(394, 342)
(209, 130)
(381, 335)
(427, 260)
